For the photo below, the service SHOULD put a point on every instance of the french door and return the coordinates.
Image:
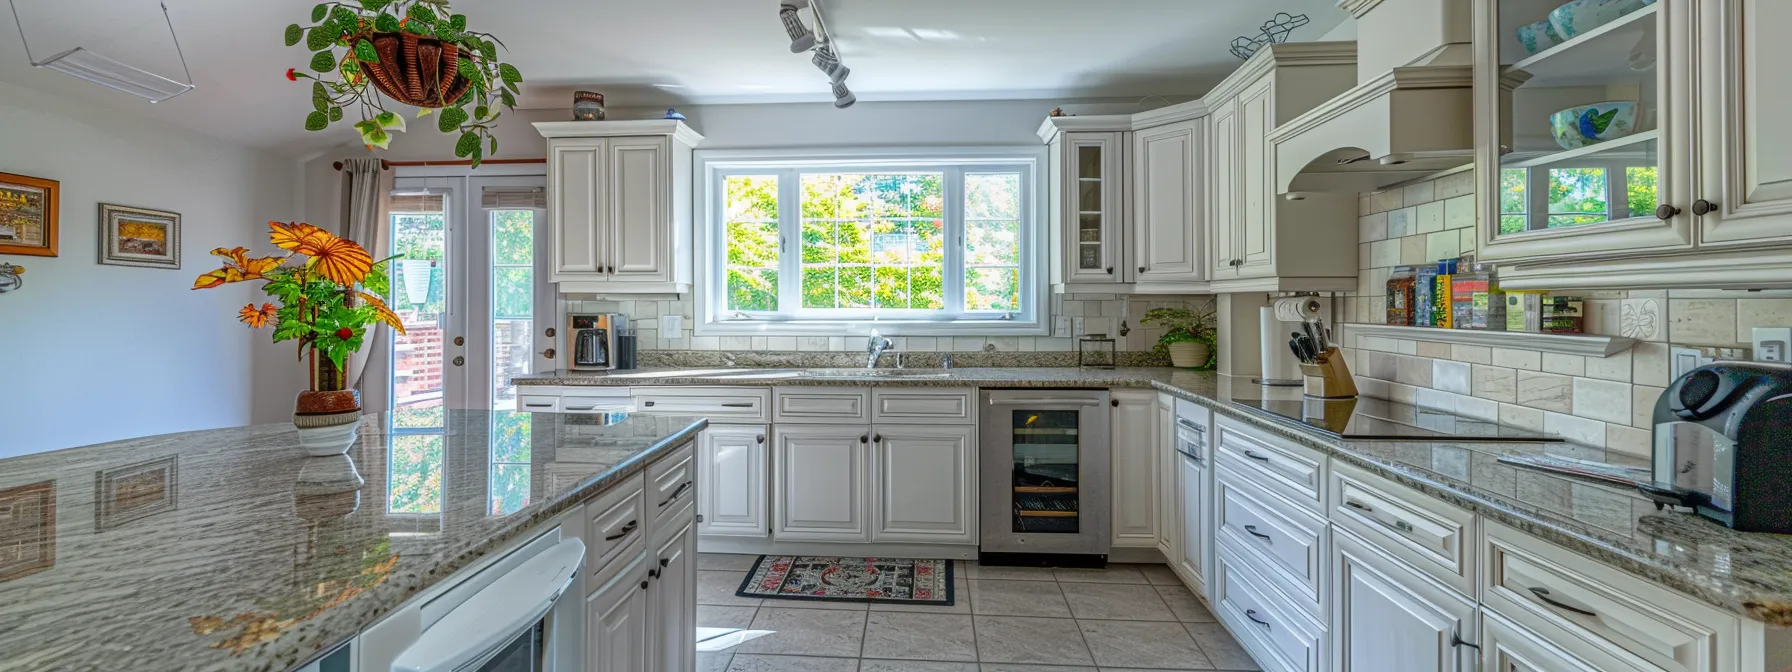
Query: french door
(471, 289)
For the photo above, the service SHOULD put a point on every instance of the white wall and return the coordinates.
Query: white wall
(92, 353)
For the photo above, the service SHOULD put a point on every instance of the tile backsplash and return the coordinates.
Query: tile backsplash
(1602, 401)
(1072, 315)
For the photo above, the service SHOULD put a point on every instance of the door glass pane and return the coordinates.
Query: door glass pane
(513, 302)
(419, 238)
(1046, 461)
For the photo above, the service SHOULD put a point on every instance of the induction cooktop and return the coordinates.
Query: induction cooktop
(1382, 420)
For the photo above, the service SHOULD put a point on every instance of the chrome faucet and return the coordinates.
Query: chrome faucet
(876, 348)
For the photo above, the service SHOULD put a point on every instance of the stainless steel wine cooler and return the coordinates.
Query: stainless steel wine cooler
(1045, 477)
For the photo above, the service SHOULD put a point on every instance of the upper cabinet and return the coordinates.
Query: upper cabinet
(1628, 143)
(1088, 207)
(619, 207)
(1167, 197)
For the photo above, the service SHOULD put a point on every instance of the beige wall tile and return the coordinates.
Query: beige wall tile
(1702, 321)
(1521, 417)
(712, 342)
(1602, 400)
(1402, 222)
(1412, 251)
(1642, 405)
(1459, 213)
(1496, 383)
(1468, 240)
(1547, 391)
(1434, 349)
(1407, 347)
(1005, 343)
(1415, 371)
(1450, 376)
(1615, 367)
(1474, 354)
(1429, 218)
(1480, 409)
(1603, 317)
(1403, 394)
(781, 343)
(1567, 365)
(1384, 201)
(968, 344)
(1421, 193)
(1371, 228)
(1637, 442)
(1529, 360)
(1649, 364)
(1455, 185)
(1576, 429)
(1751, 313)
(1384, 254)
(1442, 245)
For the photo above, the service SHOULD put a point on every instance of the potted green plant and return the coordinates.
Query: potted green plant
(415, 52)
(1189, 336)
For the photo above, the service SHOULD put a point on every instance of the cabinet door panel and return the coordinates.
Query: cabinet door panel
(1169, 482)
(1133, 450)
(1093, 183)
(1195, 512)
(672, 604)
(1167, 232)
(1256, 243)
(820, 483)
(1388, 618)
(617, 619)
(576, 211)
(639, 219)
(922, 483)
(1223, 200)
(731, 469)
(1747, 168)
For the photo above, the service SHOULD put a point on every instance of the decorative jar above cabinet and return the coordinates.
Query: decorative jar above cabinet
(619, 206)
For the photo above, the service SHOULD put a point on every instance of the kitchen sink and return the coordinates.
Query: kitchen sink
(853, 374)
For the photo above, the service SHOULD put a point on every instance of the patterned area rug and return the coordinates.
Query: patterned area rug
(905, 581)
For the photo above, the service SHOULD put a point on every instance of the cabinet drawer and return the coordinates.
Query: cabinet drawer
(1293, 471)
(1425, 532)
(1287, 545)
(940, 406)
(1542, 587)
(719, 404)
(671, 486)
(826, 405)
(616, 527)
(1277, 636)
(533, 403)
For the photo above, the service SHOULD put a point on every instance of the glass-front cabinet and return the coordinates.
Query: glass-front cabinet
(1588, 150)
(1089, 205)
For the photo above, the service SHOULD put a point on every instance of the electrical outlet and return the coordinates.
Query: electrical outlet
(670, 325)
(1772, 343)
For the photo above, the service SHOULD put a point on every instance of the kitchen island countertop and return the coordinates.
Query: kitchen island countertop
(230, 549)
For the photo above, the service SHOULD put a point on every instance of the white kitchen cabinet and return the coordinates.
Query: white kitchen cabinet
(672, 602)
(923, 483)
(616, 622)
(1509, 647)
(1169, 482)
(619, 205)
(1133, 449)
(1253, 254)
(1088, 206)
(1192, 457)
(1226, 202)
(1745, 151)
(732, 472)
(1168, 219)
(819, 483)
(1387, 618)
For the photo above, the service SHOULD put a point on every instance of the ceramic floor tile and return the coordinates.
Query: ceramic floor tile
(717, 661)
(1187, 607)
(1141, 644)
(973, 570)
(1221, 649)
(1022, 667)
(718, 588)
(807, 632)
(1116, 601)
(726, 561)
(712, 616)
(1113, 574)
(1010, 639)
(961, 603)
(869, 665)
(1018, 598)
(1160, 575)
(920, 637)
(815, 604)
(753, 663)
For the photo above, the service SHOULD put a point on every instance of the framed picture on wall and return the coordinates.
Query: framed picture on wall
(28, 215)
(139, 237)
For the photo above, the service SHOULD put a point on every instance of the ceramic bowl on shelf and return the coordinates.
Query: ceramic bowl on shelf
(1537, 37)
(1584, 125)
(1580, 16)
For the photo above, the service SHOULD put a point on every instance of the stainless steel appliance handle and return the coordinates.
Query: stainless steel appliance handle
(1044, 400)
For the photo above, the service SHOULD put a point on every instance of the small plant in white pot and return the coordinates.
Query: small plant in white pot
(1189, 338)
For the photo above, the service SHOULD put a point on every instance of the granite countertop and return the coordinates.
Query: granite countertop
(1744, 573)
(231, 550)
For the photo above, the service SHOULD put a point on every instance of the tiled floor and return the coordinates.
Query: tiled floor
(1005, 619)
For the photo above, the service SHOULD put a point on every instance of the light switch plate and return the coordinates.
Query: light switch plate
(1684, 360)
(1772, 344)
(671, 325)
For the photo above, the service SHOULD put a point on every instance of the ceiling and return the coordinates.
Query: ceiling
(666, 52)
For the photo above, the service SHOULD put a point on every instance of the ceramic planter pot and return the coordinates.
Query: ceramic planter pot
(327, 421)
(1189, 354)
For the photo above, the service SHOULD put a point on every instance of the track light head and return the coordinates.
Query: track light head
(843, 97)
(801, 39)
(826, 61)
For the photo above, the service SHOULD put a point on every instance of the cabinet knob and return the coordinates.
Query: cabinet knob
(865, 439)
(1110, 270)
(1666, 212)
(1703, 207)
(550, 332)
(877, 439)
(548, 353)
(1114, 402)
(1141, 269)
(665, 561)
(760, 440)
(643, 585)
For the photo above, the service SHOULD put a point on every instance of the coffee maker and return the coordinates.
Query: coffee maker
(1723, 445)
(598, 342)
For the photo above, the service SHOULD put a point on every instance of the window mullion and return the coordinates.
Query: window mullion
(952, 214)
(790, 241)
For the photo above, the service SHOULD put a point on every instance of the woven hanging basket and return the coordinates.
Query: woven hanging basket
(417, 70)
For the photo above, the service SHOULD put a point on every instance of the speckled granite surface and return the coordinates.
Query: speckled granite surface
(259, 558)
(976, 358)
(1748, 574)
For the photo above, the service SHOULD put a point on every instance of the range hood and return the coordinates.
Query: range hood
(1411, 114)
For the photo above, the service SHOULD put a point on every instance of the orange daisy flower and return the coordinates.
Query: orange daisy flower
(339, 260)
(256, 318)
(237, 268)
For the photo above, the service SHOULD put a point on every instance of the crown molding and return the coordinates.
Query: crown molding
(1358, 8)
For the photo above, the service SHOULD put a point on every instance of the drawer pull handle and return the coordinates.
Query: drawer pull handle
(1399, 525)
(581, 408)
(1543, 594)
(539, 405)
(1253, 530)
(737, 404)
(675, 493)
(1252, 614)
(648, 404)
(626, 530)
(1191, 456)
(1253, 455)
(1456, 640)
(1360, 506)
(1190, 425)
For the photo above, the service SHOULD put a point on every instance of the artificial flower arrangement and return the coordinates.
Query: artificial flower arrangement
(327, 303)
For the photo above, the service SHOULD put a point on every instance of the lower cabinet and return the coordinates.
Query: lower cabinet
(1133, 461)
(672, 603)
(1388, 618)
(731, 470)
(644, 616)
(616, 619)
(819, 483)
(1195, 546)
(922, 483)
(1509, 647)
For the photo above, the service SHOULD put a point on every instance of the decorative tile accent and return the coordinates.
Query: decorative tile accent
(1642, 319)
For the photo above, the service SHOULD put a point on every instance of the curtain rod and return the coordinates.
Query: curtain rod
(387, 165)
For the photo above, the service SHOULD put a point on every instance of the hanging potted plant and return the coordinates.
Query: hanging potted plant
(1189, 338)
(415, 52)
(327, 303)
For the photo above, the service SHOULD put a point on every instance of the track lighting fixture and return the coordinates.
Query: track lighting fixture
(843, 97)
(801, 39)
(827, 62)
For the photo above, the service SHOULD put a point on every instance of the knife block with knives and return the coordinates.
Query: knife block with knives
(1327, 374)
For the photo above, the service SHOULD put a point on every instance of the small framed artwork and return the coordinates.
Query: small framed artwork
(27, 529)
(139, 237)
(133, 492)
(28, 210)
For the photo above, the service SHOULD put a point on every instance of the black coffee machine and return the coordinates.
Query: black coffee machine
(1723, 445)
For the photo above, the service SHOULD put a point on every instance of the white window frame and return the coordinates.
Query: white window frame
(714, 166)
